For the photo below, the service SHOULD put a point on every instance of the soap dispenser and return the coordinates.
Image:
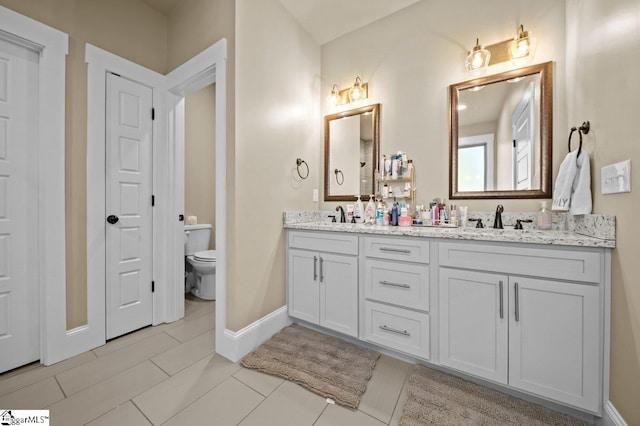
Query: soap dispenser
(544, 217)
(370, 210)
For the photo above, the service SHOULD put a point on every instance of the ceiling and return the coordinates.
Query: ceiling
(325, 20)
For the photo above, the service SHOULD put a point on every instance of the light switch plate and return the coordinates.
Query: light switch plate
(315, 195)
(616, 178)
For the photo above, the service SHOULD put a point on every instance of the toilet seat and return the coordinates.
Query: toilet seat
(205, 256)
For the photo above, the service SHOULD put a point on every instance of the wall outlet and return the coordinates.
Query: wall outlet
(315, 195)
(616, 178)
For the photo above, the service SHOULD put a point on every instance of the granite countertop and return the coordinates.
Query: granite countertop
(526, 236)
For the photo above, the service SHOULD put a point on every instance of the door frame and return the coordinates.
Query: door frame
(52, 46)
(208, 67)
(99, 64)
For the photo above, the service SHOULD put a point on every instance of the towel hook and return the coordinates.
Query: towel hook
(300, 162)
(584, 129)
(340, 179)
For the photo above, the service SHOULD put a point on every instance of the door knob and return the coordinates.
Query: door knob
(112, 219)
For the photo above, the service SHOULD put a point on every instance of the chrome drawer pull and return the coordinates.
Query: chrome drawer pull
(517, 311)
(315, 268)
(395, 284)
(395, 250)
(501, 302)
(393, 330)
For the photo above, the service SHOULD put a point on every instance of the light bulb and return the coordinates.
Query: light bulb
(334, 97)
(357, 91)
(478, 60)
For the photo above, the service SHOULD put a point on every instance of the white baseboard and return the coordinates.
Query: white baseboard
(611, 416)
(239, 343)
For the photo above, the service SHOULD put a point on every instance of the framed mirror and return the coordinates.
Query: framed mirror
(500, 135)
(351, 146)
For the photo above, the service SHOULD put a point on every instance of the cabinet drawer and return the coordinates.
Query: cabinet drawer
(403, 284)
(407, 249)
(324, 241)
(397, 328)
(540, 262)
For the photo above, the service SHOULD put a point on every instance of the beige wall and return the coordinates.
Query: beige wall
(603, 38)
(127, 28)
(200, 157)
(411, 57)
(277, 120)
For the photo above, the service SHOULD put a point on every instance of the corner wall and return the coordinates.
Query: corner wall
(603, 41)
(277, 120)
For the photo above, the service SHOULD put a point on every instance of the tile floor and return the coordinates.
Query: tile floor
(170, 375)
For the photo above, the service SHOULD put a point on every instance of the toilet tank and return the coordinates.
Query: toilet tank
(196, 238)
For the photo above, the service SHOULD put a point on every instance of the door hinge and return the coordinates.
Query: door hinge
(153, 114)
(153, 200)
(514, 143)
(180, 218)
(153, 286)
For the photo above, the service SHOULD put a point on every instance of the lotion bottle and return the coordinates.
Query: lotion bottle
(370, 210)
(544, 217)
(359, 210)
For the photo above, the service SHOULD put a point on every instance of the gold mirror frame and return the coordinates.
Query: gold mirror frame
(375, 111)
(546, 137)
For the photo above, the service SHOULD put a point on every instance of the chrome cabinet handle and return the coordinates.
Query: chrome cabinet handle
(517, 311)
(501, 302)
(395, 284)
(315, 268)
(395, 250)
(321, 271)
(395, 330)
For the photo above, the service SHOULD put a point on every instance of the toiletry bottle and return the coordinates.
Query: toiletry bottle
(386, 216)
(405, 165)
(394, 213)
(380, 214)
(544, 217)
(359, 210)
(394, 167)
(387, 167)
(370, 210)
(410, 168)
(385, 191)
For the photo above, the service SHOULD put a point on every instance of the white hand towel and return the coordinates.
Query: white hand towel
(581, 189)
(564, 183)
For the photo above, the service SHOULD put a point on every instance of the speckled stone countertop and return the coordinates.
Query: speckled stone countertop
(583, 231)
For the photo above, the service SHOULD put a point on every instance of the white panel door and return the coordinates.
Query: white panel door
(19, 307)
(339, 293)
(522, 122)
(128, 204)
(474, 323)
(554, 344)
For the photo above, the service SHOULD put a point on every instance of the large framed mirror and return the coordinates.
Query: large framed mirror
(500, 136)
(351, 146)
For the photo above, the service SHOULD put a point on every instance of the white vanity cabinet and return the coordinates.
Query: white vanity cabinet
(323, 280)
(541, 332)
(396, 294)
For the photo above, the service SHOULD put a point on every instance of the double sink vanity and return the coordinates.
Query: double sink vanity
(527, 310)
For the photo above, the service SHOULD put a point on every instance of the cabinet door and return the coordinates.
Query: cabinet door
(474, 323)
(554, 340)
(339, 293)
(303, 290)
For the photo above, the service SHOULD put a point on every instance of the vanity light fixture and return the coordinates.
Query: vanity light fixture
(522, 48)
(334, 97)
(357, 92)
(477, 60)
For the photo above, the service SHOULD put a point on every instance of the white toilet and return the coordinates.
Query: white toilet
(202, 261)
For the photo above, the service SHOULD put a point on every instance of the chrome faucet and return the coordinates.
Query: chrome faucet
(497, 222)
(343, 219)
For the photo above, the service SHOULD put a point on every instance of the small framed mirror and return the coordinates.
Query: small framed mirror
(351, 146)
(500, 135)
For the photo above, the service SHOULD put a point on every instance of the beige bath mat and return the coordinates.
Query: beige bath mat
(436, 398)
(326, 365)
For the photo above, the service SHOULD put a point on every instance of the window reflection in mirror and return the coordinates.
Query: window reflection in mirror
(500, 136)
(351, 147)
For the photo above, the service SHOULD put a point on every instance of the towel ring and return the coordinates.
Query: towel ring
(300, 162)
(340, 179)
(584, 129)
